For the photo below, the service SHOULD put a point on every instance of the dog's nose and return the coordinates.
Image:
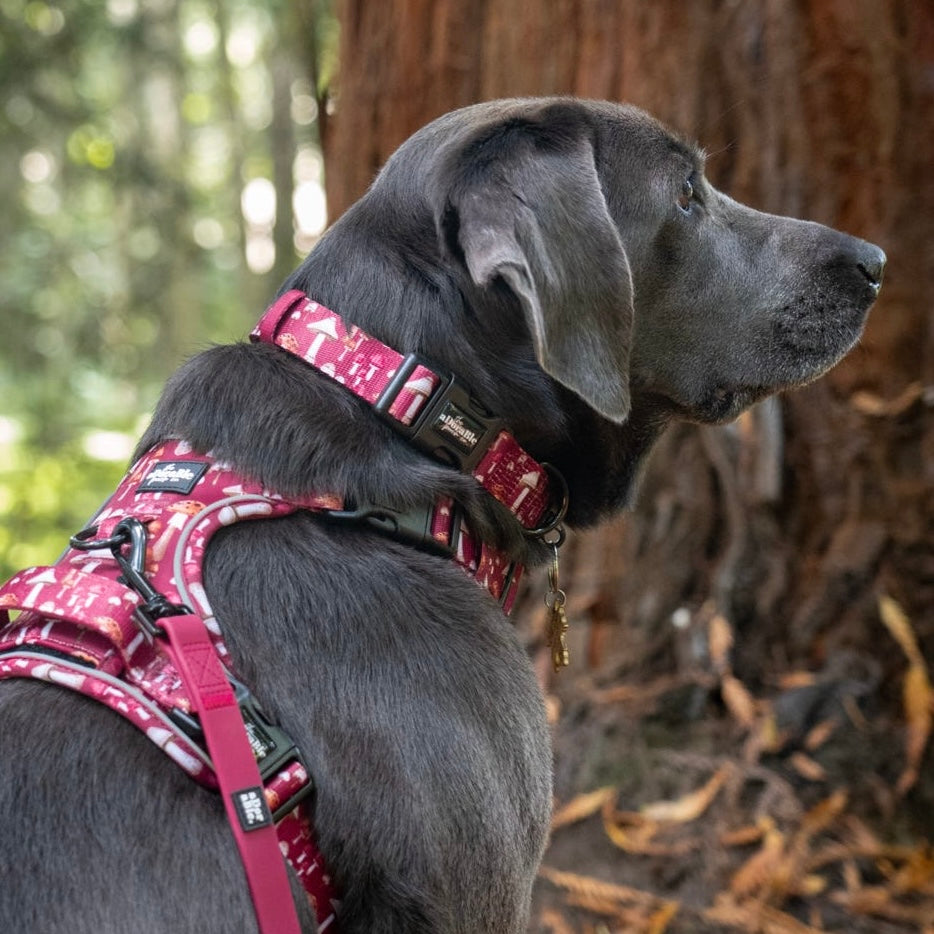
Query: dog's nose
(872, 265)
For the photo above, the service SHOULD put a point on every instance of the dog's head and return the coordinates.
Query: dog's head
(569, 260)
(633, 272)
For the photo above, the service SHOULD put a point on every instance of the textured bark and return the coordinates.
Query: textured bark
(792, 519)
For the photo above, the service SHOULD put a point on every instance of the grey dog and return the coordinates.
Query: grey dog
(569, 261)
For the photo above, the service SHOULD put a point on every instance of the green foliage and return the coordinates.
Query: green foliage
(129, 132)
(44, 498)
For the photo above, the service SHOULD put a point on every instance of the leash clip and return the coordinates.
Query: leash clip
(130, 531)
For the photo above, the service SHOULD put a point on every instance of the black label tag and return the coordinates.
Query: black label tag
(458, 428)
(252, 810)
(173, 477)
(261, 742)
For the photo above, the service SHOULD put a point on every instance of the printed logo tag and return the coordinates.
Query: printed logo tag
(252, 810)
(458, 428)
(261, 742)
(173, 477)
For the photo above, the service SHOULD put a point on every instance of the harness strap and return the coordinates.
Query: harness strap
(102, 607)
(241, 786)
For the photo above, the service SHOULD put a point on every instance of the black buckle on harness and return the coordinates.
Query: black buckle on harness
(272, 747)
(452, 427)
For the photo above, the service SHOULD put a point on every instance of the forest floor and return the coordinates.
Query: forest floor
(689, 803)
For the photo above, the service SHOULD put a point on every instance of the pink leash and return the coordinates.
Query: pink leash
(241, 786)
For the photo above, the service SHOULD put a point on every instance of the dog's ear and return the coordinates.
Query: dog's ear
(528, 208)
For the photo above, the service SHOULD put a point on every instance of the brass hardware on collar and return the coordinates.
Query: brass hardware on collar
(555, 599)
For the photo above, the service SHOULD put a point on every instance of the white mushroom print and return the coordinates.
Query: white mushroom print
(181, 512)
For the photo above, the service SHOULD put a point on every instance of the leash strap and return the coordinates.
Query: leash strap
(241, 786)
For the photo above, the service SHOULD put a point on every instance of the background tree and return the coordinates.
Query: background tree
(160, 174)
(777, 535)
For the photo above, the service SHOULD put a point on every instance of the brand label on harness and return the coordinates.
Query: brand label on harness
(261, 742)
(458, 428)
(173, 477)
(252, 810)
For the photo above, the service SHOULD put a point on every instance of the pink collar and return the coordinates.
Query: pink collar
(428, 407)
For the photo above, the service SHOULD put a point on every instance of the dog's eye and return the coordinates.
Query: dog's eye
(686, 197)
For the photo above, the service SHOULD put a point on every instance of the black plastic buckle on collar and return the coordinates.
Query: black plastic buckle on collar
(272, 747)
(452, 427)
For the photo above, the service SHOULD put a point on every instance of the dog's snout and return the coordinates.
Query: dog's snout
(872, 265)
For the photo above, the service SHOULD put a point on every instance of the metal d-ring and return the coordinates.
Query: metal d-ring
(553, 523)
(85, 540)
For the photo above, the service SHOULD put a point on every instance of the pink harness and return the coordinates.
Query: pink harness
(123, 616)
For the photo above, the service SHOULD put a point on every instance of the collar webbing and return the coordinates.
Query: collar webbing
(430, 407)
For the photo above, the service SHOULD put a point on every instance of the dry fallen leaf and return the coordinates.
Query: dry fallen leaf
(738, 700)
(587, 886)
(917, 693)
(720, 642)
(753, 916)
(819, 734)
(821, 816)
(796, 679)
(659, 921)
(630, 831)
(917, 874)
(553, 922)
(744, 836)
(690, 806)
(917, 698)
(759, 870)
(582, 806)
(807, 768)
(868, 403)
(898, 624)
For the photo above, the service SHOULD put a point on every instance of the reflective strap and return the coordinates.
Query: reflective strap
(237, 774)
(120, 696)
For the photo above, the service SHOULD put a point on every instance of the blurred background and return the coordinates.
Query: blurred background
(742, 738)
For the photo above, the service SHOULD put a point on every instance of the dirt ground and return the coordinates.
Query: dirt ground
(690, 803)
